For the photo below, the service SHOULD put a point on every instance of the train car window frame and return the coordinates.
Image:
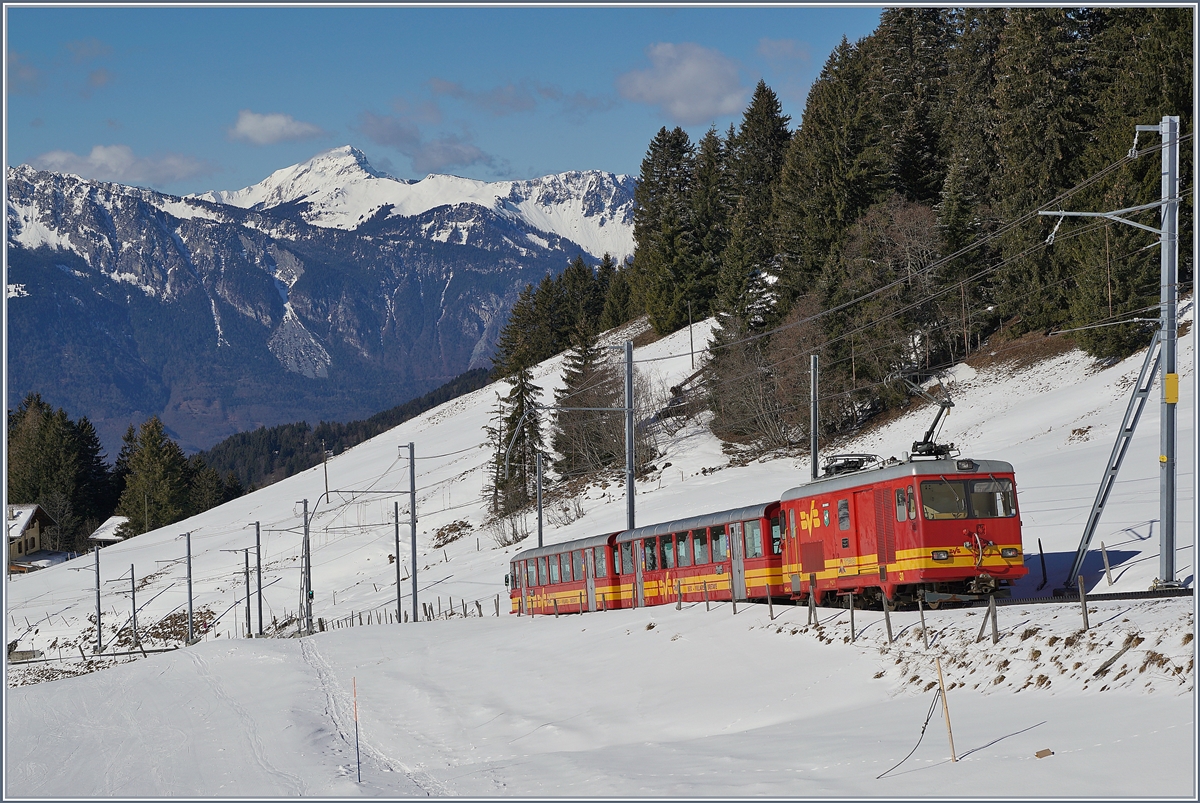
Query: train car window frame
(542, 573)
(666, 546)
(912, 503)
(600, 563)
(530, 573)
(650, 554)
(683, 550)
(901, 505)
(753, 535)
(555, 578)
(720, 543)
(627, 558)
(577, 564)
(843, 514)
(700, 547)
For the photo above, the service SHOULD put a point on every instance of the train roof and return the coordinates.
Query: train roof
(695, 522)
(893, 471)
(565, 546)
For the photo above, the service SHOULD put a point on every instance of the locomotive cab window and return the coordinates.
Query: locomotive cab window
(992, 499)
(901, 506)
(843, 514)
(754, 546)
(911, 498)
(944, 499)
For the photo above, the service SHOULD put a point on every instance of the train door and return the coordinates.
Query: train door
(738, 569)
(867, 553)
(589, 573)
(639, 591)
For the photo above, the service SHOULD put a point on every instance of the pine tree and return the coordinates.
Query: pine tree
(664, 256)
(522, 429)
(156, 489)
(588, 441)
(711, 220)
(617, 306)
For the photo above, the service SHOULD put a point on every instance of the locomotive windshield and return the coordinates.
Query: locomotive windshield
(963, 499)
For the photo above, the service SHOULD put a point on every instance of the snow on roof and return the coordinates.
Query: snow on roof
(107, 532)
(19, 517)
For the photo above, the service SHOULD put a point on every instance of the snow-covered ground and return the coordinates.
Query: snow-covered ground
(648, 702)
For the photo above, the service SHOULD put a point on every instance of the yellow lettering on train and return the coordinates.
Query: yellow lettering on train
(810, 519)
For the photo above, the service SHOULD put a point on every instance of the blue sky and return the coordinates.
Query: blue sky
(191, 99)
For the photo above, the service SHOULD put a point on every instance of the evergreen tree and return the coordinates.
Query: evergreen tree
(156, 489)
(206, 489)
(522, 421)
(588, 441)
(664, 256)
(711, 220)
(617, 305)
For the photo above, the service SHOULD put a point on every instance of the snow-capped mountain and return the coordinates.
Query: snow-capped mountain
(340, 189)
(329, 291)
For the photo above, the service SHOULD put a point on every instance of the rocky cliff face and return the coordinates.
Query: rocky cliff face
(221, 316)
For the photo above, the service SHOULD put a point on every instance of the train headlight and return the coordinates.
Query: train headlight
(1010, 552)
(941, 554)
(966, 465)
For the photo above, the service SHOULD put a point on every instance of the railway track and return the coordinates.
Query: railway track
(1072, 597)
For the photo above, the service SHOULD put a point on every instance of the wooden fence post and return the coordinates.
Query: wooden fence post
(770, 604)
(556, 607)
(1083, 601)
(887, 619)
(851, 617)
(921, 608)
(706, 596)
(995, 626)
(945, 708)
(1107, 569)
(678, 597)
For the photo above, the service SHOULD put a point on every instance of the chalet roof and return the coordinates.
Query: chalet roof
(107, 532)
(21, 516)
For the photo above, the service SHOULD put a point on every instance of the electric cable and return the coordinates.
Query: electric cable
(932, 706)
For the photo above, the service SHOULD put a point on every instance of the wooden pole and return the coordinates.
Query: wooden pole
(678, 597)
(924, 629)
(995, 626)
(556, 607)
(945, 708)
(887, 619)
(851, 617)
(770, 606)
(1083, 602)
(706, 596)
(1107, 568)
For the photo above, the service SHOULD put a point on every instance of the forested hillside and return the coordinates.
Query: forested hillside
(894, 231)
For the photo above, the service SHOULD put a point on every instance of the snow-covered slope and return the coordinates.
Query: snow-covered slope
(628, 703)
(342, 190)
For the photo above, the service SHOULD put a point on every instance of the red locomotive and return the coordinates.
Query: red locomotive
(942, 529)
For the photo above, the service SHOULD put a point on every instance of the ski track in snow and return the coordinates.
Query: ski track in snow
(339, 708)
(296, 787)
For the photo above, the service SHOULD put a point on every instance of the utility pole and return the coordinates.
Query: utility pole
(133, 601)
(399, 589)
(307, 579)
(99, 631)
(412, 518)
(248, 631)
(325, 466)
(191, 637)
(691, 341)
(813, 415)
(1168, 129)
(629, 487)
(258, 562)
(539, 496)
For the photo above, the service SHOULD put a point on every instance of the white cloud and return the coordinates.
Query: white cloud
(267, 129)
(118, 163)
(692, 84)
(428, 156)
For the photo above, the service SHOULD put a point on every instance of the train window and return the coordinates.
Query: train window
(992, 499)
(577, 560)
(843, 514)
(944, 499)
(777, 525)
(753, 530)
(627, 557)
(700, 545)
(567, 574)
(912, 503)
(554, 579)
(531, 573)
(683, 550)
(720, 544)
(667, 545)
(541, 571)
(901, 507)
(601, 563)
(650, 551)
